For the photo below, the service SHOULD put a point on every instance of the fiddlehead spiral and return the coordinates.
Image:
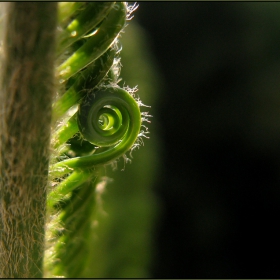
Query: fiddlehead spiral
(114, 117)
(109, 117)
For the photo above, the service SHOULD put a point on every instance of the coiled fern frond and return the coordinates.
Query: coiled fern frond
(94, 122)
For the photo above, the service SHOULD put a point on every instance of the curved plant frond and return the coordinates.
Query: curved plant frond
(94, 122)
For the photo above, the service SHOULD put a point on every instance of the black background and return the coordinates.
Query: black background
(219, 110)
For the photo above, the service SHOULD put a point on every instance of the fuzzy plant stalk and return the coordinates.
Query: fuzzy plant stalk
(27, 87)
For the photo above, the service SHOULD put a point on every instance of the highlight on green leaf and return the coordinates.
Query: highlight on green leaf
(95, 44)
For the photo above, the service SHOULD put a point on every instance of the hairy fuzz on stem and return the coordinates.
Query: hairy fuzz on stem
(26, 89)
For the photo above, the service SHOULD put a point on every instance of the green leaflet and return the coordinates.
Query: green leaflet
(77, 217)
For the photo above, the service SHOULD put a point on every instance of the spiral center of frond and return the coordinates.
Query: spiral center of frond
(110, 119)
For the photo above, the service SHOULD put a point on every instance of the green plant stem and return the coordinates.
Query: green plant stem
(66, 131)
(97, 44)
(26, 89)
(67, 9)
(83, 23)
(67, 185)
(84, 82)
(78, 220)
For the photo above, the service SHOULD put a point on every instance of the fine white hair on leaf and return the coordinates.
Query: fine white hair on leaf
(130, 9)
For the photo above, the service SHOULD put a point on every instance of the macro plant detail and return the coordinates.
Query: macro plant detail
(94, 122)
(90, 102)
(60, 68)
(108, 118)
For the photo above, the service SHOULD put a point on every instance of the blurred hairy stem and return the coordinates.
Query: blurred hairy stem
(26, 89)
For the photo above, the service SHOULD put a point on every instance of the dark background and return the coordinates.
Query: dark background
(219, 112)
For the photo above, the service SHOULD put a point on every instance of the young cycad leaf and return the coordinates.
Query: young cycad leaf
(95, 121)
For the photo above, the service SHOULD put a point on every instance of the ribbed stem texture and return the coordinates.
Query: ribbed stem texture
(26, 88)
